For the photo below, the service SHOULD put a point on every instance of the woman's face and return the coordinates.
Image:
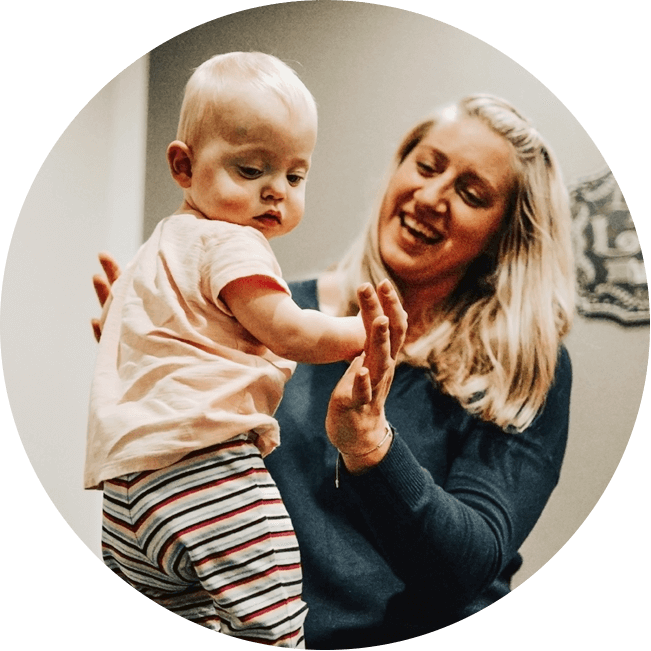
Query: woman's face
(445, 203)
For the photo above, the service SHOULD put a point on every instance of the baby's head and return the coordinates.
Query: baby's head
(244, 142)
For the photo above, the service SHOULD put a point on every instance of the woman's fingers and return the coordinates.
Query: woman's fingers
(376, 331)
(354, 388)
(385, 322)
(383, 301)
(102, 285)
(97, 329)
(369, 306)
(102, 288)
(393, 309)
(378, 350)
(355, 418)
(103, 291)
(362, 392)
(110, 267)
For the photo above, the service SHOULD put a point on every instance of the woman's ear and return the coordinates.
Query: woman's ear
(179, 160)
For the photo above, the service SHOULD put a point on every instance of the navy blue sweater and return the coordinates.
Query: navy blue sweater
(429, 536)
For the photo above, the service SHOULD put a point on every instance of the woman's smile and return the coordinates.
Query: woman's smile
(420, 231)
(445, 204)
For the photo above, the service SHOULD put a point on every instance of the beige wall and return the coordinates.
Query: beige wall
(367, 73)
(374, 72)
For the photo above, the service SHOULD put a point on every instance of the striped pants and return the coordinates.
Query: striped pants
(210, 539)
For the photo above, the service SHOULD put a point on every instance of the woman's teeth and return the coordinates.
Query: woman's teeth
(420, 230)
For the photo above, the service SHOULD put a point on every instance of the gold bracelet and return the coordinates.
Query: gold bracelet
(365, 454)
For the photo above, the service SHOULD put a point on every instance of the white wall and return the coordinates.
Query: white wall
(87, 197)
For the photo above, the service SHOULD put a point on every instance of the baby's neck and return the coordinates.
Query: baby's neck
(186, 209)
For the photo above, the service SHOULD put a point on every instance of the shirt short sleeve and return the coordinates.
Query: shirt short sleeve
(232, 251)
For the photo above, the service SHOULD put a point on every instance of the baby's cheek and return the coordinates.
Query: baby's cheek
(234, 194)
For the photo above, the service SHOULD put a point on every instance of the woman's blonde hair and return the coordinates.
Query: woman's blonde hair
(495, 347)
(200, 110)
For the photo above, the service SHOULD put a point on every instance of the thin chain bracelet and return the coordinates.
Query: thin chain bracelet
(377, 447)
(363, 454)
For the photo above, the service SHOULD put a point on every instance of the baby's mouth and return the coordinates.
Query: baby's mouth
(269, 218)
(419, 230)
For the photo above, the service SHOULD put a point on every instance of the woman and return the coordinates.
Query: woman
(409, 527)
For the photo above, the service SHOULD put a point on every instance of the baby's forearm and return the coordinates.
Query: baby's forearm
(306, 336)
(316, 338)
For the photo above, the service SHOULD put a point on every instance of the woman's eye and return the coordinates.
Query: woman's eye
(472, 198)
(425, 168)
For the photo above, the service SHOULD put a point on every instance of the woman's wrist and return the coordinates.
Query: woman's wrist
(357, 453)
(361, 459)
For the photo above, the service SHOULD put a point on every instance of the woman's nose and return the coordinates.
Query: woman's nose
(433, 194)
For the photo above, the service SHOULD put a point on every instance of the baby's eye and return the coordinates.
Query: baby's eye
(295, 179)
(249, 172)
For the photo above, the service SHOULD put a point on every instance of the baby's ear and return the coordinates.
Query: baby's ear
(178, 158)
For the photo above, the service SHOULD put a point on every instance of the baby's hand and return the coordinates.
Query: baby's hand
(359, 335)
(352, 336)
(360, 329)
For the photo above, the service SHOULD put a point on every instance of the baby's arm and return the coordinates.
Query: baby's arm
(271, 316)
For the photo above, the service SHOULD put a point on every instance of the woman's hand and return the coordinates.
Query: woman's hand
(355, 423)
(102, 285)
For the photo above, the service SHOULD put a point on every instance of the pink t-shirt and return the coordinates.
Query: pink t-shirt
(176, 372)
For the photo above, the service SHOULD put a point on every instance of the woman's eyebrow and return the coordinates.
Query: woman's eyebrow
(439, 157)
(442, 159)
(482, 180)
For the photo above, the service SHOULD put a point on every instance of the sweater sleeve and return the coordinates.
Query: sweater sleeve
(461, 534)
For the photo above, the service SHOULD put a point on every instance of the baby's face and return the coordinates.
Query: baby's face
(252, 170)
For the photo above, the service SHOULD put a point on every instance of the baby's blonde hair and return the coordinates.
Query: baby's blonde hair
(263, 72)
(495, 347)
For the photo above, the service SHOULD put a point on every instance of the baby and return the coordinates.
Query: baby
(194, 357)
